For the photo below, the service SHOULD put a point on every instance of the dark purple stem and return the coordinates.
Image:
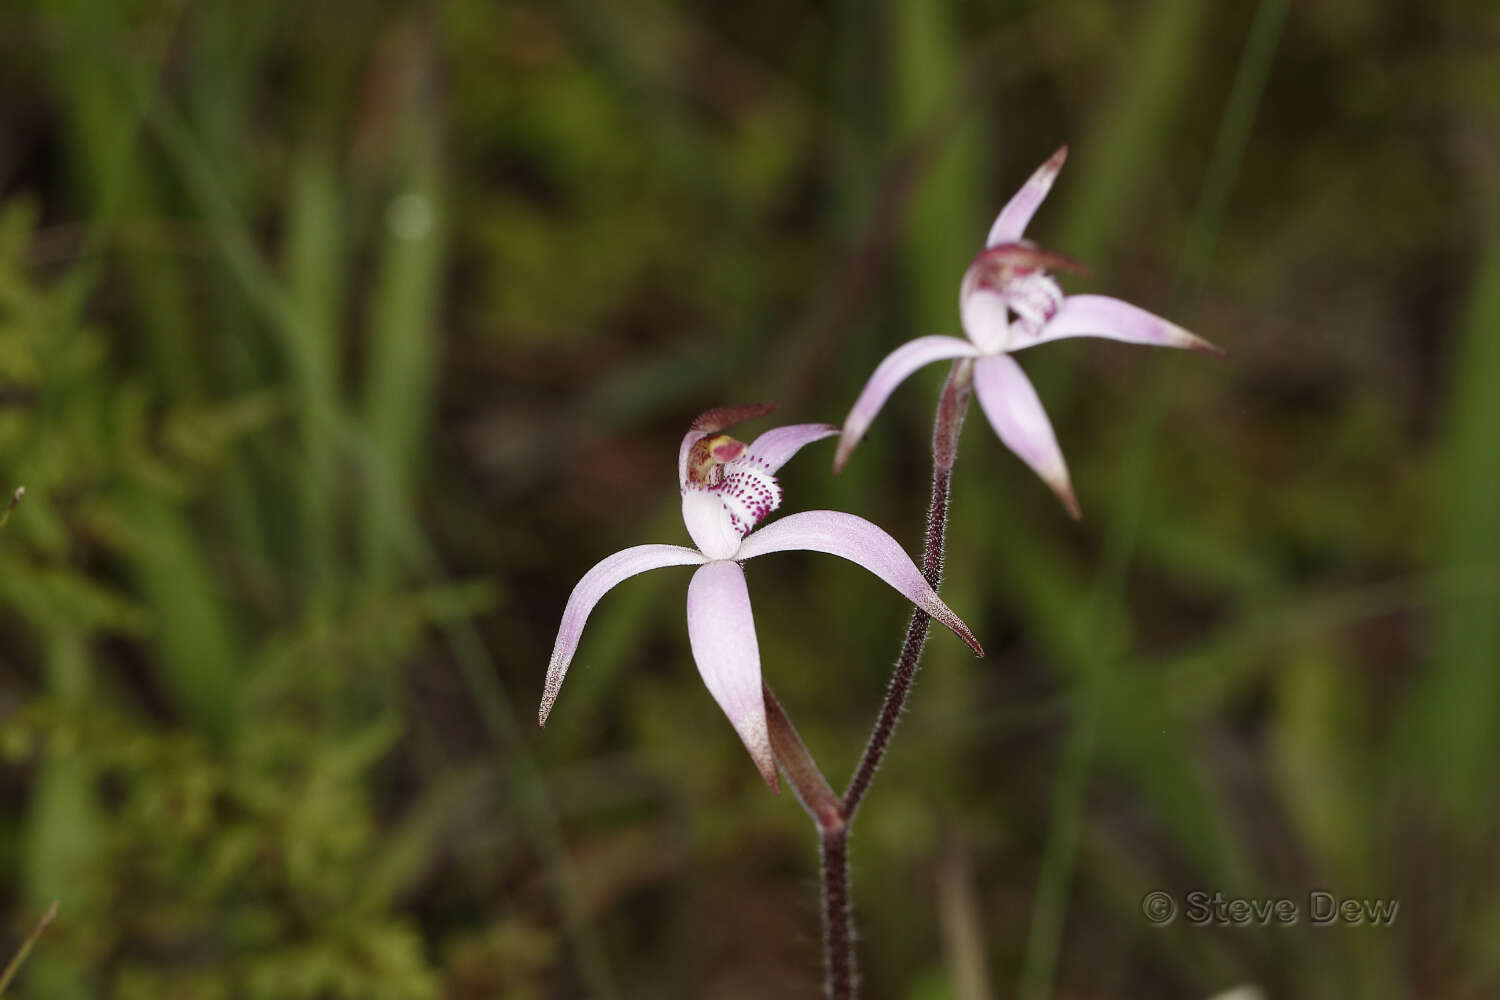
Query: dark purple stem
(832, 814)
(952, 407)
(838, 932)
(823, 805)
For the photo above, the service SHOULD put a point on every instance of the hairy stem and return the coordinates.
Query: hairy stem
(823, 805)
(952, 407)
(832, 814)
(838, 930)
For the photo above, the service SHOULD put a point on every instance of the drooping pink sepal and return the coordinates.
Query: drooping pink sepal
(1015, 412)
(721, 630)
(891, 372)
(595, 584)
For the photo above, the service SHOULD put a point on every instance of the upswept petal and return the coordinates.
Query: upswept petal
(1012, 220)
(851, 537)
(891, 372)
(776, 446)
(595, 584)
(1015, 412)
(1113, 319)
(721, 630)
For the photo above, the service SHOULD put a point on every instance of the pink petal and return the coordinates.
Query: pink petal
(776, 446)
(890, 373)
(1011, 404)
(721, 630)
(1102, 316)
(595, 584)
(1012, 220)
(857, 540)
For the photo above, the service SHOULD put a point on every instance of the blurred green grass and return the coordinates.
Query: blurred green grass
(336, 342)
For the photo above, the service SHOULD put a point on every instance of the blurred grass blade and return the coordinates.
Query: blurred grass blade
(31, 939)
(1234, 135)
(226, 43)
(476, 666)
(946, 204)
(1127, 141)
(962, 925)
(110, 178)
(64, 830)
(1049, 906)
(315, 257)
(194, 637)
(1458, 724)
(406, 337)
(10, 508)
(1328, 794)
(1162, 54)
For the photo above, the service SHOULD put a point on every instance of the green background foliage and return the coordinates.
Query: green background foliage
(338, 340)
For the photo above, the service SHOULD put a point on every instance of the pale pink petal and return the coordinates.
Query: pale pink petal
(890, 373)
(853, 538)
(595, 584)
(1113, 319)
(721, 630)
(776, 446)
(1012, 220)
(1016, 414)
(709, 523)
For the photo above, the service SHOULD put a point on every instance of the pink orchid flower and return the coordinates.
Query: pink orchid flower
(728, 488)
(1008, 302)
